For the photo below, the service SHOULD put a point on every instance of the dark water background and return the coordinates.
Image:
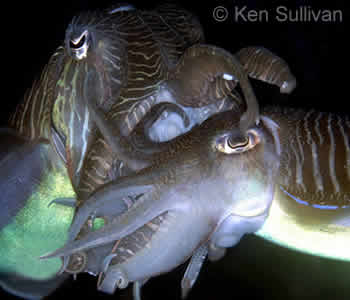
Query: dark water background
(317, 53)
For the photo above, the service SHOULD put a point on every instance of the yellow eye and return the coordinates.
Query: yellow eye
(230, 144)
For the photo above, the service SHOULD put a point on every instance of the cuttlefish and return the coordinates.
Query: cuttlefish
(125, 62)
(116, 257)
(199, 195)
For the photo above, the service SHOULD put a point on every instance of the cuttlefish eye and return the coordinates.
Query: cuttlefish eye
(234, 144)
(79, 45)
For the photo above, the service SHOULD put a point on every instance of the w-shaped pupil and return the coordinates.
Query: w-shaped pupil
(78, 44)
(238, 141)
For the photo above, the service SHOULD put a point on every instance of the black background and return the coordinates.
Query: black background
(317, 54)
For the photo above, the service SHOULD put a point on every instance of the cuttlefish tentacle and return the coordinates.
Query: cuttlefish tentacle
(260, 63)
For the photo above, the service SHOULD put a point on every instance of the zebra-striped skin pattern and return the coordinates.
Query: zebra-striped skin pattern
(154, 43)
(131, 53)
(134, 60)
(262, 64)
(315, 162)
(311, 207)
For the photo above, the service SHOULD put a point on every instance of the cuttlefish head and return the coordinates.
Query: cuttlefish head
(246, 163)
(89, 70)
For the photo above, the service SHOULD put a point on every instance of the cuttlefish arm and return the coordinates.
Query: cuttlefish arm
(193, 269)
(205, 74)
(119, 143)
(144, 209)
(97, 206)
(224, 237)
(135, 156)
(199, 76)
(136, 289)
(138, 159)
(189, 279)
(100, 206)
(260, 63)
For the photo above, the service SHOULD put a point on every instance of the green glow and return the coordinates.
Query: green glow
(38, 229)
(325, 240)
(98, 223)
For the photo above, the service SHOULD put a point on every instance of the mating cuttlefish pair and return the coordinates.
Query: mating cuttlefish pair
(135, 152)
